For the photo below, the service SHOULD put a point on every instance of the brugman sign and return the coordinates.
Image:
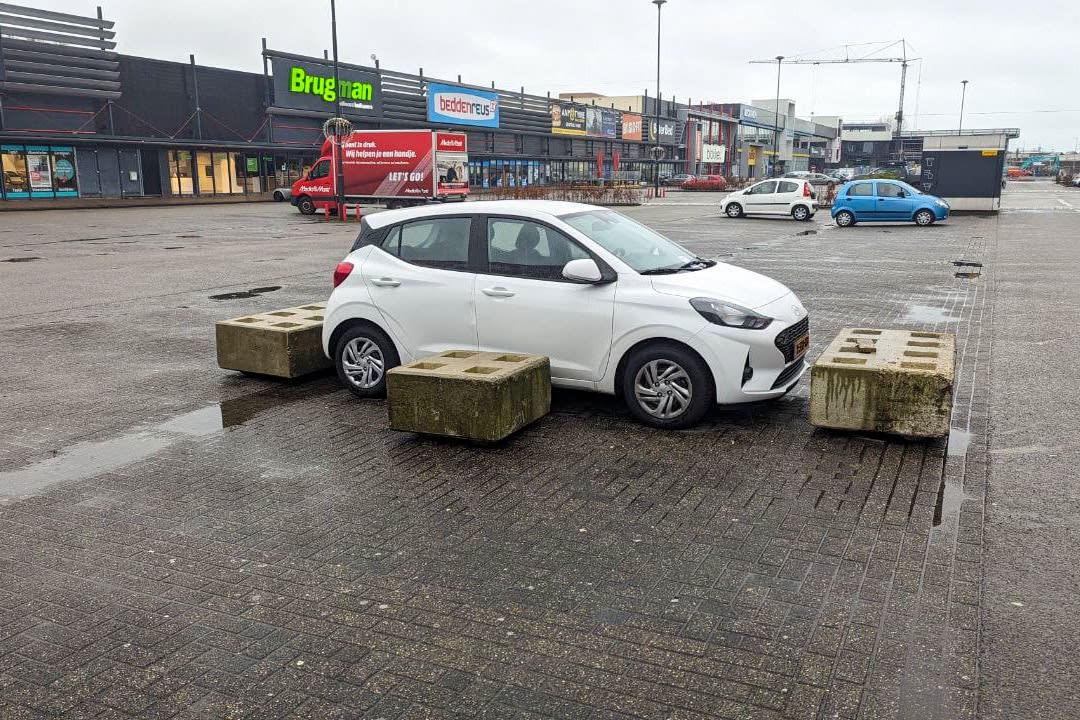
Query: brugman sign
(310, 85)
(462, 106)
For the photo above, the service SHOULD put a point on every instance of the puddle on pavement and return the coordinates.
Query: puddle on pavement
(927, 314)
(950, 497)
(967, 275)
(807, 232)
(958, 442)
(966, 263)
(22, 259)
(242, 294)
(174, 247)
(90, 459)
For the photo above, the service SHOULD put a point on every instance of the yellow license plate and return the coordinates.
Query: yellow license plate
(802, 345)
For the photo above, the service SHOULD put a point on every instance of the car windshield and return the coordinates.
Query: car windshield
(636, 245)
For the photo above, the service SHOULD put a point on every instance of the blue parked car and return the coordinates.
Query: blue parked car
(882, 200)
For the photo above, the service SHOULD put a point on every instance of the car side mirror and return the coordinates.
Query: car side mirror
(584, 270)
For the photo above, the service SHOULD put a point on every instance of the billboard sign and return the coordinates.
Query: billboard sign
(668, 132)
(462, 106)
(631, 127)
(600, 122)
(388, 164)
(310, 85)
(713, 153)
(567, 119)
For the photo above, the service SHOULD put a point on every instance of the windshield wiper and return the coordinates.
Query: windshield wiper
(695, 264)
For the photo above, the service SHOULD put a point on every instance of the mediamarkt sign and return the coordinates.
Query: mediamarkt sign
(462, 106)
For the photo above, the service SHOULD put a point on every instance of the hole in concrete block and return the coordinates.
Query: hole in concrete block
(923, 343)
(281, 313)
(920, 353)
(849, 361)
(313, 307)
(481, 370)
(316, 318)
(457, 354)
(861, 340)
(866, 332)
(925, 335)
(428, 365)
(918, 365)
(287, 324)
(246, 320)
(511, 358)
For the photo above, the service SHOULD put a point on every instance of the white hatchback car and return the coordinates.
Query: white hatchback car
(782, 196)
(616, 307)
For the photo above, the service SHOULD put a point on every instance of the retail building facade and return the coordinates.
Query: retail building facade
(79, 120)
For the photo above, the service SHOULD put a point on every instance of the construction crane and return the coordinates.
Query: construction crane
(871, 57)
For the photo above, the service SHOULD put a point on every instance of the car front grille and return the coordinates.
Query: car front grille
(789, 372)
(785, 340)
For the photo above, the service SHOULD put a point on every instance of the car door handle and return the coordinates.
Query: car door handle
(881, 199)
(498, 292)
(385, 282)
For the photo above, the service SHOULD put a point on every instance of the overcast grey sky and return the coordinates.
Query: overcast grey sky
(1018, 57)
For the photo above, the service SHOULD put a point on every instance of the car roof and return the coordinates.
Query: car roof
(528, 208)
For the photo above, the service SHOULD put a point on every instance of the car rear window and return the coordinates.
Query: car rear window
(861, 190)
(788, 187)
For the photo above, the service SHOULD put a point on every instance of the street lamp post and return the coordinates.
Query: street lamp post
(776, 118)
(339, 174)
(963, 94)
(657, 150)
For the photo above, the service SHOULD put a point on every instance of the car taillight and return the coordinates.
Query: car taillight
(341, 272)
(806, 191)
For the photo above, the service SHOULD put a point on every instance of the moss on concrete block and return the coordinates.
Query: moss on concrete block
(890, 381)
(466, 394)
(286, 343)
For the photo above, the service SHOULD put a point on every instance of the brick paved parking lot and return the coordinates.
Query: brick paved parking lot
(178, 541)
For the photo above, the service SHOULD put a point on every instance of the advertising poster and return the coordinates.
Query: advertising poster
(41, 179)
(567, 119)
(393, 164)
(452, 163)
(462, 106)
(600, 122)
(631, 127)
(713, 153)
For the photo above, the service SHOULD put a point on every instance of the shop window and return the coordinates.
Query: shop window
(180, 173)
(16, 179)
(64, 174)
(40, 171)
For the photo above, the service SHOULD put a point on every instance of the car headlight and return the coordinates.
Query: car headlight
(942, 203)
(729, 314)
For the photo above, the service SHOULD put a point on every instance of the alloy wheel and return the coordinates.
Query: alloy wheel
(924, 217)
(363, 362)
(663, 389)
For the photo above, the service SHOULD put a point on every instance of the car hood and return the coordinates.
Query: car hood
(723, 282)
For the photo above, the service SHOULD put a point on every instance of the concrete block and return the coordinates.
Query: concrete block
(286, 343)
(891, 381)
(466, 394)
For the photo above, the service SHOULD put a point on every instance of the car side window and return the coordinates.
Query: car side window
(319, 170)
(764, 188)
(861, 190)
(890, 191)
(521, 248)
(438, 243)
(786, 186)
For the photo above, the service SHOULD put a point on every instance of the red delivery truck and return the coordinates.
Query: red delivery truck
(398, 167)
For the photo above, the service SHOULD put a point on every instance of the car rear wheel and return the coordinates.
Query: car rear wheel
(306, 206)
(924, 218)
(800, 213)
(734, 210)
(362, 356)
(667, 386)
(845, 218)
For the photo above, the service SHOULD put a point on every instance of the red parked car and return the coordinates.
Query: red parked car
(706, 182)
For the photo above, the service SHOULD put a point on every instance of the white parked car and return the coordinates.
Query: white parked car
(617, 307)
(782, 196)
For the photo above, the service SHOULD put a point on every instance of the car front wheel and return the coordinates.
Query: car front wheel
(924, 218)
(666, 386)
(844, 218)
(306, 206)
(734, 210)
(362, 357)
